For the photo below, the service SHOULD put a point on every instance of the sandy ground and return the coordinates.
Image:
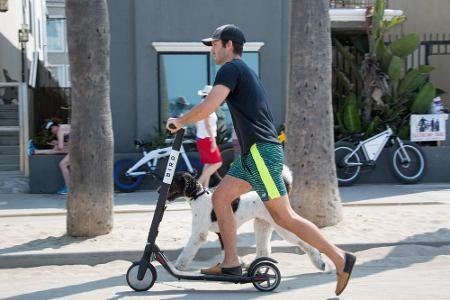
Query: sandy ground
(362, 224)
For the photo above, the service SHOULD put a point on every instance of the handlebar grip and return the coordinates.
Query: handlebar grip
(178, 139)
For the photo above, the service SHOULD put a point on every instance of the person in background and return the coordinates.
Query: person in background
(206, 132)
(60, 134)
(181, 105)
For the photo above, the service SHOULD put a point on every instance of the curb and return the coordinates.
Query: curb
(101, 257)
(152, 209)
(64, 212)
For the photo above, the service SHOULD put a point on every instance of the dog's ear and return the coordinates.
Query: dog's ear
(177, 187)
(192, 187)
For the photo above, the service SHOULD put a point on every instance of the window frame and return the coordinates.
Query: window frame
(65, 73)
(193, 48)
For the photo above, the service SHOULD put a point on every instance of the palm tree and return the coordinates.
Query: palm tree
(309, 146)
(90, 201)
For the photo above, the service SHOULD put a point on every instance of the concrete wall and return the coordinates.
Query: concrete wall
(134, 74)
(425, 17)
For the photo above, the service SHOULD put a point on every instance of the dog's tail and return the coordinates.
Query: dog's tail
(287, 178)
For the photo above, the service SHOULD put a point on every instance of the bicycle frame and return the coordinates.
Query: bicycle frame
(373, 146)
(151, 159)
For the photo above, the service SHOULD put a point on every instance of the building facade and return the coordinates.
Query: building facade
(157, 60)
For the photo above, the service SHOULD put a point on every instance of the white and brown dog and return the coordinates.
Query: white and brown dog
(249, 206)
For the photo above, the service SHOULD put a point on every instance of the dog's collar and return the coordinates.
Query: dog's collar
(204, 191)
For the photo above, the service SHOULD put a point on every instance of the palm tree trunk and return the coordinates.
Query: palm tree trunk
(309, 146)
(91, 196)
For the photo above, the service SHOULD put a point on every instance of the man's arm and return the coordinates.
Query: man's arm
(201, 111)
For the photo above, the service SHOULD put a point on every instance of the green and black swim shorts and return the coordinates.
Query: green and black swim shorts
(262, 168)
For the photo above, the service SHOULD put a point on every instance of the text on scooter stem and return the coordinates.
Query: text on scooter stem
(171, 165)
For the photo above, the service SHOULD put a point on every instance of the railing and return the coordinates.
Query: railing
(353, 3)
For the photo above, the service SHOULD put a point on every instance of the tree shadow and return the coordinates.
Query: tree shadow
(53, 242)
(355, 193)
(418, 254)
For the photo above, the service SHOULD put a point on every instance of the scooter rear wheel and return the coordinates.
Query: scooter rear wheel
(265, 276)
(146, 283)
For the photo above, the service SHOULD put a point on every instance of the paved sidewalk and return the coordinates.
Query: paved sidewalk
(394, 273)
(374, 216)
(400, 233)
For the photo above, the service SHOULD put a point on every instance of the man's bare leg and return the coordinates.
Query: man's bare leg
(286, 217)
(229, 189)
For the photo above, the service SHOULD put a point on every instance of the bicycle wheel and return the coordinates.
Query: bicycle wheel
(125, 183)
(346, 175)
(408, 171)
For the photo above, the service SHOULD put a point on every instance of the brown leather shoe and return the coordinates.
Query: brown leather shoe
(218, 270)
(343, 278)
(214, 270)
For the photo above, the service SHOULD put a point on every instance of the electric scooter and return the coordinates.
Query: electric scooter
(262, 272)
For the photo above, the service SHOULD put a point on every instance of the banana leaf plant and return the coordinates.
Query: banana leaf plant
(390, 94)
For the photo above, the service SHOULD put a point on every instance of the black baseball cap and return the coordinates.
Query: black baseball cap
(226, 32)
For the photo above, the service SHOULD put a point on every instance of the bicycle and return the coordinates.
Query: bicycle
(129, 174)
(407, 161)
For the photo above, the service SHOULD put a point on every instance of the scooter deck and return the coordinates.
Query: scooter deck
(244, 278)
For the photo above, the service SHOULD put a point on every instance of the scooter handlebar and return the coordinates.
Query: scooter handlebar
(178, 139)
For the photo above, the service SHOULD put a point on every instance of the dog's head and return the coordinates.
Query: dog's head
(183, 185)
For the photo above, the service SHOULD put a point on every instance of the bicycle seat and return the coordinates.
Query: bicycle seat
(139, 142)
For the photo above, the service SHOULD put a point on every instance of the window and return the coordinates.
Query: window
(56, 35)
(61, 74)
(184, 68)
(180, 76)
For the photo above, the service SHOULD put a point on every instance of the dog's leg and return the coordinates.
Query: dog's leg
(313, 254)
(187, 255)
(263, 233)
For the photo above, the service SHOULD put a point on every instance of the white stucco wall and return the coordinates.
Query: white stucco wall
(9, 43)
(10, 22)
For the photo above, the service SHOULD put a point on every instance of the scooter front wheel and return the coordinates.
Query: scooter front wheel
(265, 276)
(146, 283)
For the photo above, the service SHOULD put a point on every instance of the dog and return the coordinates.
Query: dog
(249, 206)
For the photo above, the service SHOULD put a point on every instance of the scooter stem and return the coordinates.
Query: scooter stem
(160, 205)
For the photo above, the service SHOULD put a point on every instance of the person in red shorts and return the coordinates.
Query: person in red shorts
(206, 132)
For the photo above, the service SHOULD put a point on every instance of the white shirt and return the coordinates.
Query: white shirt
(201, 128)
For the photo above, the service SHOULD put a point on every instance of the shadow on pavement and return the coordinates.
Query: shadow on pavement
(415, 254)
(379, 191)
(53, 242)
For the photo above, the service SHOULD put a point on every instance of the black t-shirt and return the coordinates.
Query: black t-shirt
(247, 101)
